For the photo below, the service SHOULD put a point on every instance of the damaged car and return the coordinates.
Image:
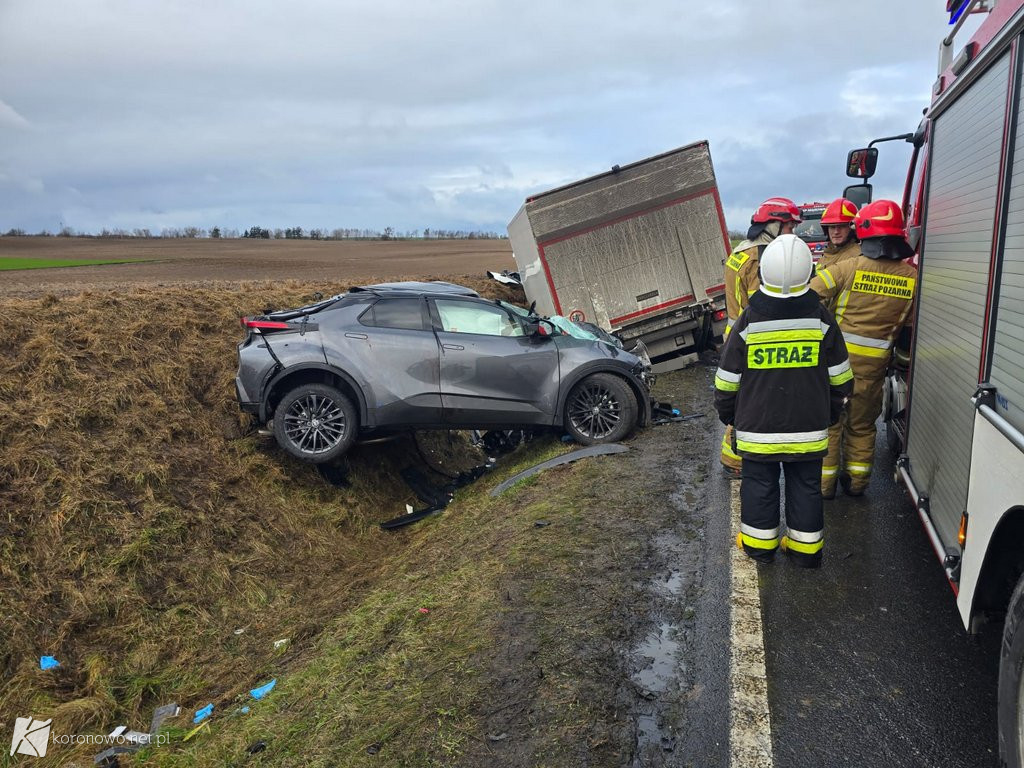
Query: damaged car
(429, 355)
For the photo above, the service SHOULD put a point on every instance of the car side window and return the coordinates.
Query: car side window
(469, 317)
(395, 313)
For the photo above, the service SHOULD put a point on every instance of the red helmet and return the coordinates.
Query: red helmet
(839, 211)
(879, 219)
(776, 209)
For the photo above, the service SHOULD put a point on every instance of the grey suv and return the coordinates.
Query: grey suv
(429, 356)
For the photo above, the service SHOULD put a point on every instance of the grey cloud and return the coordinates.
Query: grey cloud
(428, 114)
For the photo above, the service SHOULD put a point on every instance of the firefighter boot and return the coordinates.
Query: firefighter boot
(848, 485)
(800, 553)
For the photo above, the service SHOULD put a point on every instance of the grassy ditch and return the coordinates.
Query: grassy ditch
(142, 523)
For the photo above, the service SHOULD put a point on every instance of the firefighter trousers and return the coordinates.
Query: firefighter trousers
(760, 529)
(851, 442)
(730, 458)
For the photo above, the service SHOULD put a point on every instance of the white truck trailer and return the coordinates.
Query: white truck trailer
(959, 428)
(637, 250)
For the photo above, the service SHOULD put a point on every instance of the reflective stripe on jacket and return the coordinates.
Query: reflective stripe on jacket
(872, 300)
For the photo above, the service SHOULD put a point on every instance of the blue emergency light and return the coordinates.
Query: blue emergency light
(956, 9)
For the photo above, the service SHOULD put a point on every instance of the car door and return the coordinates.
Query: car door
(492, 373)
(396, 351)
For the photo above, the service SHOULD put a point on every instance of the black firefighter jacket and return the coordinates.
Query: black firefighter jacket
(783, 377)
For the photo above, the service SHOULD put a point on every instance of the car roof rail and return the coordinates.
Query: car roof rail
(414, 287)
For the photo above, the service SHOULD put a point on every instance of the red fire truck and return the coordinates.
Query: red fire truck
(809, 230)
(957, 416)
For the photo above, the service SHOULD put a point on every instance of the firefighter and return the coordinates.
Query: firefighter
(782, 380)
(873, 295)
(775, 216)
(837, 221)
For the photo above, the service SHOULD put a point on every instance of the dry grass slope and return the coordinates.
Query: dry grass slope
(142, 522)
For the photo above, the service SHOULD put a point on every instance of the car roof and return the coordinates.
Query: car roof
(417, 288)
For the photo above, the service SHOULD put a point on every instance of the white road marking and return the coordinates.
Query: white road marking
(750, 724)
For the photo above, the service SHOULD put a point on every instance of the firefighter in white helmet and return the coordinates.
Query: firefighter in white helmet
(873, 296)
(782, 380)
(775, 216)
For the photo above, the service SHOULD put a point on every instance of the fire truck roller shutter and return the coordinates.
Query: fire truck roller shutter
(966, 148)
(1007, 353)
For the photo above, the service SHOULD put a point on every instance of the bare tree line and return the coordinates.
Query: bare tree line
(257, 232)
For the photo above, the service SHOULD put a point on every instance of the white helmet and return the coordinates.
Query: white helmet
(786, 267)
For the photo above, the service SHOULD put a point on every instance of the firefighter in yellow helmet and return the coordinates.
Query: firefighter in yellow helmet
(873, 296)
(775, 216)
(782, 380)
(837, 221)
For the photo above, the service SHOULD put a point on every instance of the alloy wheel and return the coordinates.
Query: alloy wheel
(315, 424)
(595, 410)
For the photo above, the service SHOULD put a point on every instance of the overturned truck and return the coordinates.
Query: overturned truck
(637, 250)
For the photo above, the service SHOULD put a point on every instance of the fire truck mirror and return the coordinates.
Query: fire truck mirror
(860, 163)
(858, 194)
(914, 237)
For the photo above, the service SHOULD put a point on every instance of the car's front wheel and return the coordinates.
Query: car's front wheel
(315, 423)
(600, 409)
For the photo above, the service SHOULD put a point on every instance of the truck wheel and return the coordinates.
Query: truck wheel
(315, 423)
(600, 409)
(1011, 683)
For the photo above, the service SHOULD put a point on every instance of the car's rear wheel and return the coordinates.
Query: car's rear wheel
(600, 409)
(315, 423)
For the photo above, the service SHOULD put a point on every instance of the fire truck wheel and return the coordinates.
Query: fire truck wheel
(1011, 683)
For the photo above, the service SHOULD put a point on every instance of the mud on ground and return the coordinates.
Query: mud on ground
(595, 662)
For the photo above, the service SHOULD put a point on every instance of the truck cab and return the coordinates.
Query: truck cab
(809, 229)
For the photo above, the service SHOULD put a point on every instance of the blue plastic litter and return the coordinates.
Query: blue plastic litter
(202, 714)
(245, 710)
(676, 411)
(48, 662)
(263, 690)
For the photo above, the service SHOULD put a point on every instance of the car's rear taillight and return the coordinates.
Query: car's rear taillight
(259, 326)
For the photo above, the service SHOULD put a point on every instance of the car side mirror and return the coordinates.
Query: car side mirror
(858, 194)
(861, 163)
(538, 327)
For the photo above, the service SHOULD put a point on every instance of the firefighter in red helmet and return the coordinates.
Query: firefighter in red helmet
(775, 216)
(873, 296)
(837, 221)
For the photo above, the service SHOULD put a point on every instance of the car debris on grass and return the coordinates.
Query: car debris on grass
(565, 458)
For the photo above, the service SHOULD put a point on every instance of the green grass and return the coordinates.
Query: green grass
(10, 262)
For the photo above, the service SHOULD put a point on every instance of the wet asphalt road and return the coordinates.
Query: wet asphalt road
(868, 662)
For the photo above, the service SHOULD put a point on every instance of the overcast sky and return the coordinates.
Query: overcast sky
(448, 113)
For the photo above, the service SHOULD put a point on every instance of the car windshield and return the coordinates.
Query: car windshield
(517, 309)
(810, 228)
